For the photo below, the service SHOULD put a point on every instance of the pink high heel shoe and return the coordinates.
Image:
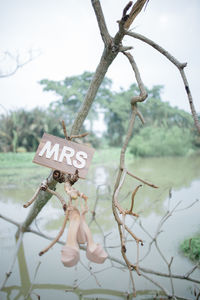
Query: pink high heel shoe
(70, 252)
(81, 236)
(94, 252)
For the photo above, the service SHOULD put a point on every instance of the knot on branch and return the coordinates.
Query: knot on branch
(59, 176)
(72, 178)
(183, 65)
(44, 185)
(123, 248)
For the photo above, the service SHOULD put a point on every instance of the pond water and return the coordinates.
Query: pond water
(178, 180)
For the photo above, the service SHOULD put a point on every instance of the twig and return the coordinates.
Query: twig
(156, 284)
(187, 207)
(170, 275)
(89, 269)
(132, 281)
(133, 198)
(101, 22)
(175, 276)
(122, 170)
(72, 136)
(65, 130)
(10, 220)
(78, 136)
(142, 180)
(58, 236)
(64, 205)
(157, 47)
(180, 67)
(143, 94)
(187, 275)
(140, 116)
(165, 217)
(40, 201)
(116, 203)
(33, 198)
(123, 232)
(137, 261)
(18, 64)
(114, 259)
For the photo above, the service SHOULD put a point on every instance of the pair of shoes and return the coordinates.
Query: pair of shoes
(79, 233)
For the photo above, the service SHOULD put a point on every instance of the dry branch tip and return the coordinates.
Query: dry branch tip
(125, 10)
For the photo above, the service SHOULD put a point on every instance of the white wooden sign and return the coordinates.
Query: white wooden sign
(60, 154)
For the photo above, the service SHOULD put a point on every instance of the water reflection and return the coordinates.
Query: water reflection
(27, 290)
(182, 175)
(168, 173)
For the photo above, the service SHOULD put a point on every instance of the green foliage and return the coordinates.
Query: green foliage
(191, 248)
(160, 141)
(117, 113)
(168, 130)
(23, 129)
(159, 113)
(71, 92)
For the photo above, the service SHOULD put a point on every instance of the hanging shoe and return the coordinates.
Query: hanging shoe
(70, 254)
(81, 236)
(94, 252)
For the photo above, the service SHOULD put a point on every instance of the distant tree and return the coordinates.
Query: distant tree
(167, 131)
(71, 92)
(23, 129)
(156, 141)
(117, 113)
(157, 112)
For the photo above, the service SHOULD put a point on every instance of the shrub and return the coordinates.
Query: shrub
(191, 248)
(160, 141)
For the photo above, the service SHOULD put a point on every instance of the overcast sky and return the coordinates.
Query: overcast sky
(66, 33)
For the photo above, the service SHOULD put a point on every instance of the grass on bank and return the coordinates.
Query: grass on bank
(23, 160)
(17, 168)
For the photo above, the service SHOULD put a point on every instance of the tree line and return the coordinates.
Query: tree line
(167, 130)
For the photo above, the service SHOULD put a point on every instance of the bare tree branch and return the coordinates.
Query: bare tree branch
(142, 180)
(136, 9)
(58, 235)
(143, 94)
(117, 260)
(180, 67)
(101, 22)
(17, 62)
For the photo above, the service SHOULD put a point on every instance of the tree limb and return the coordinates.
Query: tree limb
(143, 94)
(136, 9)
(101, 22)
(17, 62)
(180, 67)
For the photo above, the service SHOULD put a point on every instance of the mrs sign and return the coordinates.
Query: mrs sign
(61, 154)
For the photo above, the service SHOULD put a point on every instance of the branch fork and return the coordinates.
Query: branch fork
(69, 138)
